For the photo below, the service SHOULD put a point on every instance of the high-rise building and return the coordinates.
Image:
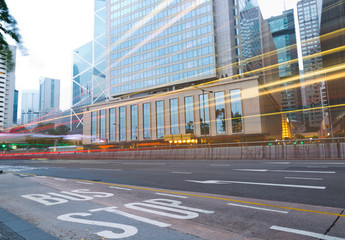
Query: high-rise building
(284, 35)
(314, 95)
(30, 106)
(7, 89)
(49, 99)
(89, 69)
(332, 36)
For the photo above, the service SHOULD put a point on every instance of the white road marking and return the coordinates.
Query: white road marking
(102, 169)
(305, 233)
(220, 165)
(145, 164)
(289, 171)
(23, 175)
(181, 172)
(278, 162)
(316, 179)
(41, 176)
(322, 163)
(60, 179)
(170, 195)
(85, 183)
(120, 188)
(258, 208)
(317, 167)
(256, 183)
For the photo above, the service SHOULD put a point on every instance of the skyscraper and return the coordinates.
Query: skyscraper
(332, 38)
(49, 99)
(89, 69)
(30, 106)
(314, 95)
(7, 88)
(284, 35)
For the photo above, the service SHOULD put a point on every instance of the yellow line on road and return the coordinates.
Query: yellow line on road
(218, 198)
(22, 173)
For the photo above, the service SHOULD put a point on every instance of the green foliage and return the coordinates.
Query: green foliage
(8, 27)
(61, 130)
(299, 136)
(50, 129)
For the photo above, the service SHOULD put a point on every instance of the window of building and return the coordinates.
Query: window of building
(147, 120)
(122, 123)
(134, 122)
(204, 114)
(189, 112)
(112, 124)
(220, 112)
(102, 125)
(174, 116)
(160, 118)
(94, 127)
(236, 111)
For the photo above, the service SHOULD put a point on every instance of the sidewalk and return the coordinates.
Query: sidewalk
(15, 228)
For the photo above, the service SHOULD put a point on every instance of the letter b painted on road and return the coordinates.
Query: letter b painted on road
(45, 199)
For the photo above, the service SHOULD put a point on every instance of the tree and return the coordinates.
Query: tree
(61, 130)
(45, 128)
(8, 27)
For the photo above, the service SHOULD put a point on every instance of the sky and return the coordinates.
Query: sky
(52, 29)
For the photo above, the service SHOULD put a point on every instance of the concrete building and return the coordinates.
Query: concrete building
(163, 48)
(7, 90)
(49, 99)
(314, 95)
(284, 34)
(30, 106)
(332, 38)
(89, 70)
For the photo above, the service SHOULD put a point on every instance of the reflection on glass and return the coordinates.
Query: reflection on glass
(102, 124)
(204, 114)
(236, 110)
(188, 103)
(94, 126)
(160, 119)
(147, 120)
(112, 124)
(134, 116)
(174, 116)
(220, 112)
(122, 123)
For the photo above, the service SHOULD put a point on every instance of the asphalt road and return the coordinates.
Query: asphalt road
(201, 199)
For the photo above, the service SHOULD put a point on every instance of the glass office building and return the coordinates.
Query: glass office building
(89, 69)
(156, 44)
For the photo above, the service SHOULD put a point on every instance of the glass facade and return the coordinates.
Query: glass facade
(189, 113)
(220, 112)
(134, 122)
(112, 125)
(204, 114)
(174, 44)
(174, 116)
(94, 127)
(160, 118)
(123, 124)
(147, 120)
(102, 125)
(236, 111)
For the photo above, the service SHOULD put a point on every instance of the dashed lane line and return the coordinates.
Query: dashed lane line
(257, 208)
(121, 188)
(303, 178)
(170, 195)
(181, 172)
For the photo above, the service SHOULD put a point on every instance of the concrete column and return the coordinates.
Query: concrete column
(167, 117)
(140, 122)
(153, 120)
(212, 110)
(181, 115)
(196, 108)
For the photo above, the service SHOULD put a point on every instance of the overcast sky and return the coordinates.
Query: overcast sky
(52, 29)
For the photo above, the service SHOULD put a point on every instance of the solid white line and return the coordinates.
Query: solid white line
(102, 169)
(41, 176)
(317, 167)
(278, 162)
(258, 208)
(128, 189)
(317, 179)
(322, 163)
(60, 179)
(305, 233)
(170, 195)
(181, 172)
(85, 183)
(289, 171)
(296, 171)
(219, 165)
(160, 164)
(256, 183)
